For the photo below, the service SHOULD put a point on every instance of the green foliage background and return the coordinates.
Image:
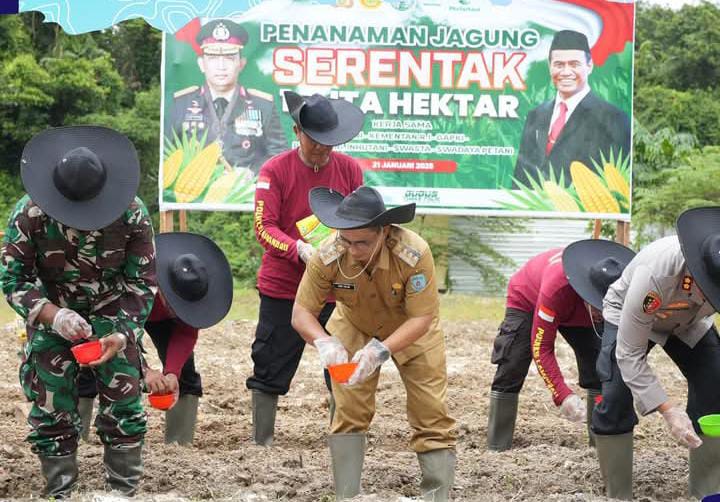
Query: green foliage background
(48, 78)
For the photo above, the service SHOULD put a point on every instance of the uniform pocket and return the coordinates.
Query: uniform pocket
(509, 328)
(347, 297)
(262, 352)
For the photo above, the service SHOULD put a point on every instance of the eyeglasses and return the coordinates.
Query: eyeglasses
(362, 246)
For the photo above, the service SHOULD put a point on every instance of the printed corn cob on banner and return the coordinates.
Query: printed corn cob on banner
(452, 93)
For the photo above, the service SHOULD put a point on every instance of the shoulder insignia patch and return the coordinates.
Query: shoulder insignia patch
(330, 252)
(418, 282)
(687, 283)
(409, 255)
(187, 90)
(260, 94)
(651, 303)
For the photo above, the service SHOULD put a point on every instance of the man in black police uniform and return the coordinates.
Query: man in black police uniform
(244, 121)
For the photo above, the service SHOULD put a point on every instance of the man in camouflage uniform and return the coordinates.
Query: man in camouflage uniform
(244, 121)
(78, 261)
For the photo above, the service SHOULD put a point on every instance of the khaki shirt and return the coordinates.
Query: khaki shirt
(655, 297)
(401, 285)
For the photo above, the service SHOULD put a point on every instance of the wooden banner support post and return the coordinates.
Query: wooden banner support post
(622, 231)
(167, 221)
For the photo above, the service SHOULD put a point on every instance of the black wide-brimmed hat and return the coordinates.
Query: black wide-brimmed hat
(330, 122)
(698, 230)
(362, 208)
(85, 177)
(194, 277)
(592, 265)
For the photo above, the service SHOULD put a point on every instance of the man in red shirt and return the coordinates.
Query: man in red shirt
(540, 302)
(281, 201)
(195, 292)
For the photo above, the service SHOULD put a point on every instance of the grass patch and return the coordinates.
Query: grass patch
(452, 307)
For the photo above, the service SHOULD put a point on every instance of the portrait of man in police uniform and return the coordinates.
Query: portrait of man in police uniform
(244, 121)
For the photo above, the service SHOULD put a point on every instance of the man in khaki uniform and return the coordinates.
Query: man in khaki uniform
(383, 279)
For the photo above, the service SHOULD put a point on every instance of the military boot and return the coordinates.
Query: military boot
(348, 453)
(592, 394)
(705, 468)
(61, 473)
(123, 469)
(615, 456)
(180, 421)
(85, 410)
(501, 420)
(264, 407)
(438, 474)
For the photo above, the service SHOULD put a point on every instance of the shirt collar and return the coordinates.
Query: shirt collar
(572, 101)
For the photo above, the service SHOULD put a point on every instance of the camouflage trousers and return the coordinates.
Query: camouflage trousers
(49, 374)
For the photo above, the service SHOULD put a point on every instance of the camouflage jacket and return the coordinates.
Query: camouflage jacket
(106, 275)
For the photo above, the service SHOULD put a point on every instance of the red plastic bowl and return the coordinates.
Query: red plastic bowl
(162, 401)
(87, 352)
(340, 373)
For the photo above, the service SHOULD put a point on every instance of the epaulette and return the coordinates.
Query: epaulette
(260, 94)
(330, 251)
(187, 90)
(406, 253)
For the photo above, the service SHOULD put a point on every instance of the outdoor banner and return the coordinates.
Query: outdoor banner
(460, 96)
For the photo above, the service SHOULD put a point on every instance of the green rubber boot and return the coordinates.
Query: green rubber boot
(705, 468)
(61, 473)
(615, 455)
(180, 421)
(438, 474)
(591, 395)
(123, 469)
(501, 420)
(348, 453)
(85, 410)
(264, 407)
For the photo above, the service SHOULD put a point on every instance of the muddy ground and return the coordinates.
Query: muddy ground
(550, 459)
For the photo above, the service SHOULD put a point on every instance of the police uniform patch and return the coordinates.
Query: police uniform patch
(651, 302)
(418, 282)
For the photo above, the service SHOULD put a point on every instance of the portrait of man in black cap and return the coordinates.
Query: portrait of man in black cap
(577, 124)
(244, 121)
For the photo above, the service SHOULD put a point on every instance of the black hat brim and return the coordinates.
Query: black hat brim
(693, 227)
(580, 256)
(350, 120)
(214, 306)
(117, 153)
(324, 203)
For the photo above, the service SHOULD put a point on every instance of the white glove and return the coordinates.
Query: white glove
(369, 359)
(573, 408)
(70, 325)
(681, 427)
(331, 351)
(304, 250)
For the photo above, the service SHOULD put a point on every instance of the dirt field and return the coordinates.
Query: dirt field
(550, 460)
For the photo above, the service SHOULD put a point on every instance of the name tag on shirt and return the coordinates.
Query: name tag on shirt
(341, 285)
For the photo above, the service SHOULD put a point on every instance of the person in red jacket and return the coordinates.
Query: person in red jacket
(541, 302)
(195, 292)
(281, 201)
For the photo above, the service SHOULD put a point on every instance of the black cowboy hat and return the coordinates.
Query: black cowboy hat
(698, 230)
(330, 122)
(85, 177)
(194, 277)
(362, 208)
(592, 265)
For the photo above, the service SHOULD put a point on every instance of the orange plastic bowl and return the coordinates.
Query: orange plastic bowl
(341, 372)
(87, 352)
(162, 401)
